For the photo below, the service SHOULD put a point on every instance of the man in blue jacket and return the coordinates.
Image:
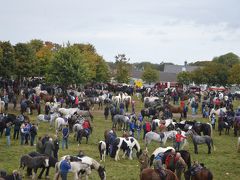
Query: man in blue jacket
(65, 166)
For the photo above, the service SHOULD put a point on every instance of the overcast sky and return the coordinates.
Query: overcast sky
(145, 30)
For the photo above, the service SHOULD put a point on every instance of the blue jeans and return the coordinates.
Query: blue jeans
(22, 138)
(8, 140)
(65, 143)
(64, 175)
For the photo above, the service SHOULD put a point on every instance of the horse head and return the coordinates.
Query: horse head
(46, 161)
(102, 172)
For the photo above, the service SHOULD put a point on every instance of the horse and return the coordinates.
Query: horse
(76, 168)
(200, 140)
(206, 128)
(157, 151)
(102, 150)
(236, 125)
(52, 163)
(46, 97)
(223, 122)
(176, 109)
(127, 145)
(153, 174)
(92, 163)
(162, 137)
(48, 118)
(167, 122)
(217, 112)
(32, 106)
(121, 120)
(198, 172)
(59, 122)
(109, 139)
(33, 163)
(83, 133)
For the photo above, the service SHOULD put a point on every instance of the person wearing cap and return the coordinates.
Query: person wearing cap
(180, 165)
(144, 160)
(178, 139)
(65, 166)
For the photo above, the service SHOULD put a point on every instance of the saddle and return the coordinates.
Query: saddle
(195, 169)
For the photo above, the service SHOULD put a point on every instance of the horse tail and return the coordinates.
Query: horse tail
(213, 145)
(211, 129)
(151, 159)
(100, 149)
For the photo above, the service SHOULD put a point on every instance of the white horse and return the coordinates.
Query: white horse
(167, 122)
(130, 144)
(150, 99)
(59, 122)
(93, 164)
(48, 118)
(162, 137)
(76, 167)
(159, 150)
(217, 112)
(102, 150)
(69, 111)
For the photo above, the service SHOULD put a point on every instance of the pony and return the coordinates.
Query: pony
(121, 120)
(102, 150)
(200, 140)
(167, 122)
(162, 137)
(59, 122)
(48, 118)
(92, 163)
(236, 125)
(217, 112)
(76, 167)
(109, 139)
(198, 172)
(153, 174)
(52, 163)
(223, 122)
(33, 163)
(206, 128)
(176, 109)
(127, 145)
(83, 133)
(157, 151)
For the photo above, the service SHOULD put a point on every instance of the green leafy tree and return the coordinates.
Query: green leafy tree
(123, 68)
(36, 44)
(68, 67)
(7, 59)
(184, 78)
(234, 74)
(228, 59)
(25, 59)
(150, 75)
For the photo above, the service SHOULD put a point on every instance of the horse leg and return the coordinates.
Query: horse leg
(117, 155)
(195, 148)
(42, 171)
(130, 155)
(86, 139)
(209, 148)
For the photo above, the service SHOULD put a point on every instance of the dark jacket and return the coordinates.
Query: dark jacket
(48, 148)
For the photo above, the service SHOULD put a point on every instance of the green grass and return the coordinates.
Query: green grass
(224, 160)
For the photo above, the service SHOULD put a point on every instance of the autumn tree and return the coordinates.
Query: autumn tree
(150, 75)
(123, 68)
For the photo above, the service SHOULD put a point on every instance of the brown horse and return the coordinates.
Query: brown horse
(236, 125)
(201, 174)
(175, 109)
(153, 174)
(46, 97)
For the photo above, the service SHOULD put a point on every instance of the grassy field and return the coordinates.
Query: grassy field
(224, 162)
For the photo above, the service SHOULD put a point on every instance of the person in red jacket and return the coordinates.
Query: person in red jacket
(178, 139)
(86, 126)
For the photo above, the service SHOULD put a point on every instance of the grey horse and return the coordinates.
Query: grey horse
(121, 120)
(200, 140)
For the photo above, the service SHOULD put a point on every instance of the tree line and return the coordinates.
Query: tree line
(223, 70)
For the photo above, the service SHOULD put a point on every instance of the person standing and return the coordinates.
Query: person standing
(180, 165)
(138, 128)
(178, 139)
(65, 134)
(56, 147)
(6, 101)
(48, 147)
(65, 166)
(39, 145)
(33, 133)
(106, 112)
(17, 126)
(8, 133)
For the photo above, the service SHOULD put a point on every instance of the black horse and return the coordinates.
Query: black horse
(83, 133)
(204, 128)
(198, 172)
(6, 119)
(224, 122)
(34, 162)
(52, 162)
